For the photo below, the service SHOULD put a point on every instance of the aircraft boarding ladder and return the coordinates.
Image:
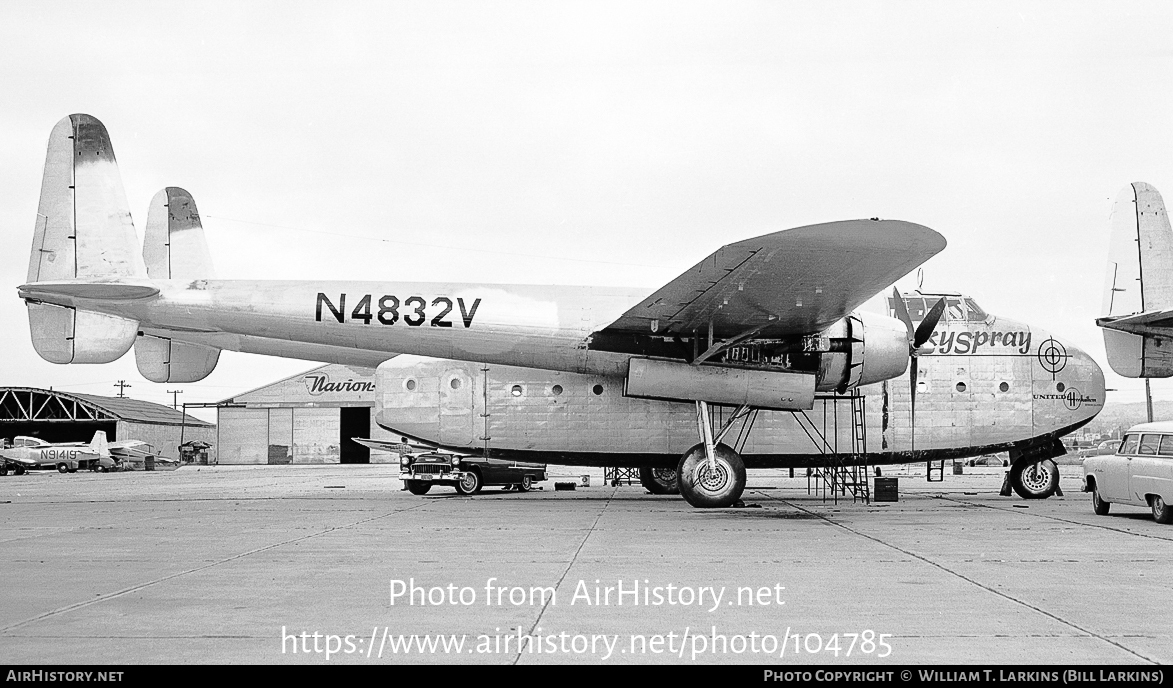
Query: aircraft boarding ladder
(844, 472)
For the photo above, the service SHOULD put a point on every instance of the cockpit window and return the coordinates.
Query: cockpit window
(976, 314)
(1128, 446)
(954, 310)
(915, 306)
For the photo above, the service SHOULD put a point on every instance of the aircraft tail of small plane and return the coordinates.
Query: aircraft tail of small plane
(1137, 312)
(174, 248)
(85, 245)
(99, 445)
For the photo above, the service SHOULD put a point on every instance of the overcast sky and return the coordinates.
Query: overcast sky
(595, 143)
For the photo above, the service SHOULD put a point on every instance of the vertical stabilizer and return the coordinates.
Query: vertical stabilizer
(83, 231)
(98, 445)
(174, 246)
(1139, 279)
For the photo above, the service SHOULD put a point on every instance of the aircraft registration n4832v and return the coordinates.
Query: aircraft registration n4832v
(761, 324)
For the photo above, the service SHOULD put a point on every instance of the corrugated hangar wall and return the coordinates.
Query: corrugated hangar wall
(306, 418)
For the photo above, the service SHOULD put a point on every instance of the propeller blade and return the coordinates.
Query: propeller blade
(902, 313)
(926, 327)
(912, 373)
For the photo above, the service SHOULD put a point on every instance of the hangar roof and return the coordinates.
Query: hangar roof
(31, 403)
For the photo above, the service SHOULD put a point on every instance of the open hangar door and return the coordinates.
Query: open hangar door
(52, 416)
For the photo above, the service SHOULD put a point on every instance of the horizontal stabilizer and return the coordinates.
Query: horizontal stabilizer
(68, 335)
(161, 359)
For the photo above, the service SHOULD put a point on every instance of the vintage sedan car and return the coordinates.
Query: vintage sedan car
(1140, 473)
(468, 474)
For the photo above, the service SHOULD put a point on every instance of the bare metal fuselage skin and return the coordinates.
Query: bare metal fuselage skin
(520, 325)
(983, 387)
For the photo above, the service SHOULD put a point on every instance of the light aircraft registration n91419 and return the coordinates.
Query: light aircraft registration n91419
(767, 325)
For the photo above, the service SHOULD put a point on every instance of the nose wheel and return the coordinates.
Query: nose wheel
(1034, 480)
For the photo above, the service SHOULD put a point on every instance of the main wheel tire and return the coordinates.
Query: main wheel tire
(470, 484)
(417, 487)
(659, 481)
(526, 484)
(714, 489)
(1162, 512)
(1100, 506)
(1037, 480)
(62, 468)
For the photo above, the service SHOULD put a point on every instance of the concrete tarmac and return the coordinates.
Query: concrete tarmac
(247, 564)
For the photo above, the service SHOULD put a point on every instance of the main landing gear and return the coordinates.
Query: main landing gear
(711, 474)
(659, 480)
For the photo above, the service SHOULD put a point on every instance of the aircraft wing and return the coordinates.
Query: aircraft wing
(1148, 319)
(797, 281)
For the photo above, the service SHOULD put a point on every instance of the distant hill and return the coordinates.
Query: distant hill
(1117, 417)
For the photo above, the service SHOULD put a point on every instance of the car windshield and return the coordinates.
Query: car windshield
(1128, 446)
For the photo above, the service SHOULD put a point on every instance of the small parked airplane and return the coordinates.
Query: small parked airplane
(767, 324)
(34, 453)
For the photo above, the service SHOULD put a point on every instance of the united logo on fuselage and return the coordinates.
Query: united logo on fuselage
(412, 311)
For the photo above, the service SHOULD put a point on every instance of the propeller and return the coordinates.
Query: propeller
(916, 339)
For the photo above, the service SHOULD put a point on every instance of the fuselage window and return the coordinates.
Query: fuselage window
(455, 383)
(556, 390)
(597, 389)
(960, 386)
(516, 390)
(1059, 386)
(1148, 444)
(1128, 446)
(410, 385)
(1004, 387)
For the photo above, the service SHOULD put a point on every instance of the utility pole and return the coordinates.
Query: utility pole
(174, 397)
(122, 385)
(1148, 399)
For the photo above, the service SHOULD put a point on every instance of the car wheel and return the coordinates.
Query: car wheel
(3, 469)
(526, 484)
(470, 483)
(1162, 512)
(1099, 506)
(19, 470)
(417, 487)
(62, 468)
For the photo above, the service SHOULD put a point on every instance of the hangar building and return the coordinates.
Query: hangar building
(68, 417)
(306, 418)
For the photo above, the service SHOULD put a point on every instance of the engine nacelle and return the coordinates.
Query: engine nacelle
(861, 349)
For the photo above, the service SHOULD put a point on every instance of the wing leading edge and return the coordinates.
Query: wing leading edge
(796, 281)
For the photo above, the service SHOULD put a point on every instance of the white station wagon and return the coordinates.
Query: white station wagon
(1140, 473)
